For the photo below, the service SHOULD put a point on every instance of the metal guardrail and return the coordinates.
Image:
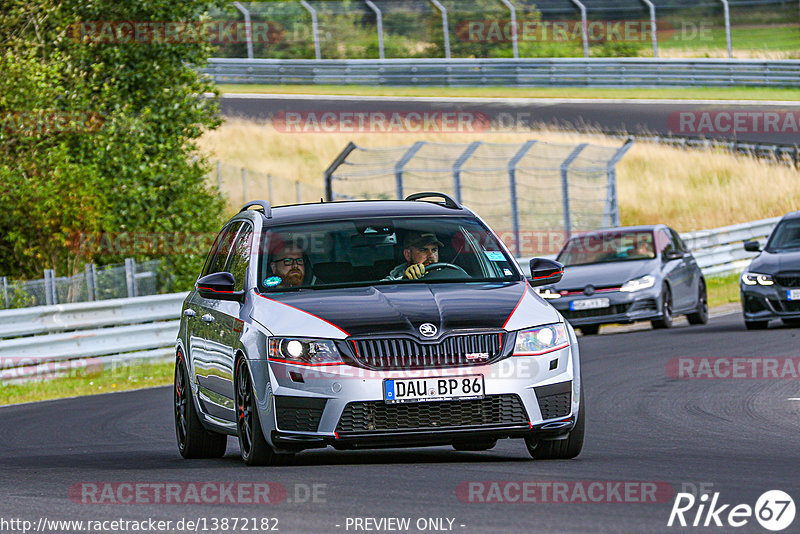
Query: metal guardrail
(524, 72)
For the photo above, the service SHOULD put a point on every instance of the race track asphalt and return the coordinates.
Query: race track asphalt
(738, 437)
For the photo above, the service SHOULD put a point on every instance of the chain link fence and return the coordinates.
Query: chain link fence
(526, 192)
(240, 185)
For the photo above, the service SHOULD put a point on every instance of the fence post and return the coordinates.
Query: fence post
(328, 174)
(90, 281)
(5, 291)
(512, 184)
(379, 16)
(248, 28)
(219, 176)
(462, 159)
(565, 188)
(445, 27)
(652, 8)
(727, 10)
(269, 187)
(514, 29)
(314, 27)
(585, 26)
(244, 185)
(50, 287)
(400, 165)
(297, 189)
(130, 276)
(611, 212)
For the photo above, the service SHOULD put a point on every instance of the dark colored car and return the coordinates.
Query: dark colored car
(300, 335)
(770, 287)
(623, 275)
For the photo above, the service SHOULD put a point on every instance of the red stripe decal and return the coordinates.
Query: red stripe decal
(515, 307)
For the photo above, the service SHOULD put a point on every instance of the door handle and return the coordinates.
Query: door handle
(188, 312)
(207, 318)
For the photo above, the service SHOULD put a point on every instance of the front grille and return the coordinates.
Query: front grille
(789, 306)
(788, 279)
(408, 353)
(377, 416)
(597, 312)
(300, 414)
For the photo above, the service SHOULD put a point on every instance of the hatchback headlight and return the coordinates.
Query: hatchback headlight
(541, 340)
(637, 284)
(304, 351)
(751, 279)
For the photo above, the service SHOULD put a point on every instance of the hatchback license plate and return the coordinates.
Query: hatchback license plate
(589, 304)
(793, 294)
(397, 391)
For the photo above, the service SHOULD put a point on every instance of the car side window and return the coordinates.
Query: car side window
(663, 241)
(240, 256)
(219, 257)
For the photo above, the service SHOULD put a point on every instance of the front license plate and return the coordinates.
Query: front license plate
(793, 294)
(589, 304)
(432, 389)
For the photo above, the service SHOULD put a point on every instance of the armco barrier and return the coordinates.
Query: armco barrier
(523, 72)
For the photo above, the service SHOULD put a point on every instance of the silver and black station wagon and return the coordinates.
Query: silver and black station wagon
(372, 324)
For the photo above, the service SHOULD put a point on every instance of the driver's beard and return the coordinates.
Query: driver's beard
(294, 278)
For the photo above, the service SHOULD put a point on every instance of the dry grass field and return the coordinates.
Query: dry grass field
(687, 189)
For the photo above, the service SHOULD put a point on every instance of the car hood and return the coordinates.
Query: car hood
(771, 262)
(401, 308)
(604, 274)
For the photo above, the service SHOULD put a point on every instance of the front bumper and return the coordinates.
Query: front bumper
(343, 406)
(762, 303)
(624, 307)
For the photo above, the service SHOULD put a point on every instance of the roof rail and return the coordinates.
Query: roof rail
(448, 200)
(265, 206)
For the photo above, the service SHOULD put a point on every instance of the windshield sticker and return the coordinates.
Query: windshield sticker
(273, 281)
(494, 255)
(507, 272)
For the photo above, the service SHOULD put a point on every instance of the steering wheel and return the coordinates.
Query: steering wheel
(434, 267)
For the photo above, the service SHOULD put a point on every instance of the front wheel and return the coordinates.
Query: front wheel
(254, 448)
(701, 315)
(560, 449)
(194, 441)
(666, 310)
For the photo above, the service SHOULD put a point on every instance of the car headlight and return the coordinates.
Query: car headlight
(548, 293)
(751, 279)
(541, 340)
(304, 351)
(637, 284)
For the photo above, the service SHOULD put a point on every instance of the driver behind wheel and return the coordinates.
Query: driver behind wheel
(419, 249)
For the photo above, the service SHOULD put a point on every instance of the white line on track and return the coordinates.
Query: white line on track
(492, 100)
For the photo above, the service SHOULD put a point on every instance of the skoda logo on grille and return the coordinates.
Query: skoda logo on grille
(588, 290)
(427, 329)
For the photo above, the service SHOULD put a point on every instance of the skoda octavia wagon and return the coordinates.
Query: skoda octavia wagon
(372, 324)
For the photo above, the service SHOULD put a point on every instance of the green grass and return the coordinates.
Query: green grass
(679, 93)
(773, 37)
(90, 382)
(722, 289)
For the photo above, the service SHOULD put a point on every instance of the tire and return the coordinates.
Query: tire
(791, 322)
(701, 315)
(194, 441)
(561, 449)
(666, 307)
(254, 448)
(479, 445)
(589, 329)
(756, 325)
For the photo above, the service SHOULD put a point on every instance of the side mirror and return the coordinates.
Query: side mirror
(752, 246)
(218, 286)
(672, 254)
(544, 272)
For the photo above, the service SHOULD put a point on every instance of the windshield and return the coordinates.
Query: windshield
(381, 251)
(606, 247)
(785, 236)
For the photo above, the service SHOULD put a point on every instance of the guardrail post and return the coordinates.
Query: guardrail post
(130, 276)
(5, 291)
(91, 282)
(379, 16)
(652, 8)
(445, 27)
(248, 28)
(400, 165)
(565, 188)
(512, 185)
(462, 159)
(585, 25)
(314, 27)
(244, 185)
(514, 30)
(50, 297)
(727, 10)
